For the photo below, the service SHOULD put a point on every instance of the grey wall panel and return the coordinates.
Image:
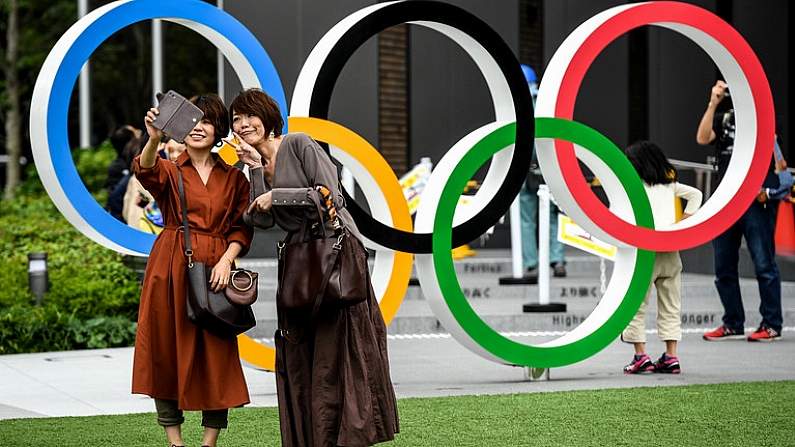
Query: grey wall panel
(289, 30)
(602, 101)
(765, 25)
(448, 94)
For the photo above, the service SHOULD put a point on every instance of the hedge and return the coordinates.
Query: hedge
(93, 296)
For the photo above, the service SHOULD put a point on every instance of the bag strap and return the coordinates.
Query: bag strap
(330, 208)
(331, 260)
(186, 228)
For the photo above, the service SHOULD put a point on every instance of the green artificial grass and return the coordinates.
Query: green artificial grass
(737, 414)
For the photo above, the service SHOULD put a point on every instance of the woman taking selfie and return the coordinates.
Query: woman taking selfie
(178, 364)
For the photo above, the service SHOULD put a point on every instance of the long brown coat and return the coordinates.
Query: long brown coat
(173, 358)
(334, 389)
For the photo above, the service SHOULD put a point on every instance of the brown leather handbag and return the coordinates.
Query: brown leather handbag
(242, 289)
(329, 270)
(212, 311)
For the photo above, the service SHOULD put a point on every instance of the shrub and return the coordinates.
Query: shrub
(93, 297)
(92, 164)
(45, 328)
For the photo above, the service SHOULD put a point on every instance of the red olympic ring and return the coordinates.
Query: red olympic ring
(671, 15)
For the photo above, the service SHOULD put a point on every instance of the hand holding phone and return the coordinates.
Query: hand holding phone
(177, 116)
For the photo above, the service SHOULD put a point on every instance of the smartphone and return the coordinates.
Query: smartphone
(178, 116)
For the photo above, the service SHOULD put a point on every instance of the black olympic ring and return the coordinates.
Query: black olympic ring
(447, 14)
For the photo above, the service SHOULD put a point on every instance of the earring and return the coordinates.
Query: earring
(270, 137)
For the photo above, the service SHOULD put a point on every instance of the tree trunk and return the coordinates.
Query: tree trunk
(13, 116)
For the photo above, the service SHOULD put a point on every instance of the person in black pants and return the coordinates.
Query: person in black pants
(757, 226)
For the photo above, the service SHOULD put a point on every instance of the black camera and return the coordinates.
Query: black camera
(728, 119)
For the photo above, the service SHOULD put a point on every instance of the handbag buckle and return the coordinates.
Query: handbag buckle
(250, 280)
(279, 247)
(338, 245)
(189, 255)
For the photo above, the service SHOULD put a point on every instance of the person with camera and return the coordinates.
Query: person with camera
(757, 226)
(180, 365)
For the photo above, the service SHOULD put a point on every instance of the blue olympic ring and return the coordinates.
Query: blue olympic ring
(233, 39)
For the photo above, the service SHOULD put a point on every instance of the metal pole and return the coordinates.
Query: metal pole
(157, 59)
(517, 264)
(220, 62)
(543, 244)
(543, 305)
(516, 239)
(85, 89)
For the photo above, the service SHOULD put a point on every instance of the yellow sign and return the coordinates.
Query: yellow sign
(572, 234)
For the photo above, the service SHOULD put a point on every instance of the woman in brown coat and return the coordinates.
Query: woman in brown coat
(334, 387)
(181, 366)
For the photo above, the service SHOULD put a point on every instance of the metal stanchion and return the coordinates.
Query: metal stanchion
(543, 304)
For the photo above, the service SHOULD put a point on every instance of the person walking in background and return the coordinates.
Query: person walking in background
(757, 226)
(180, 365)
(118, 195)
(660, 182)
(528, 210)
(120, 166)
(140, 209)
(333, 383)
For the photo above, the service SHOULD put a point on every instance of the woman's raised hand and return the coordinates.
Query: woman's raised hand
(149, 119)
(245, 152)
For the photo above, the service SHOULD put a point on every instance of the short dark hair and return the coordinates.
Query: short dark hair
(131, 150)
(215, 112)
(258, 103)
(120, 136)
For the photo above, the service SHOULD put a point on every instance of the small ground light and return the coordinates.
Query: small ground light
(38, 280)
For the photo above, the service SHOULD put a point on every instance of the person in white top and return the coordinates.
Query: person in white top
(660, 181)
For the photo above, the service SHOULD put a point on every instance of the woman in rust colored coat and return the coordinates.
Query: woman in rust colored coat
(333, 385)
(181, 366)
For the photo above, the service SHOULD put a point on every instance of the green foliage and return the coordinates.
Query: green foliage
(93, 296)
(25, 328)
(614, 417)
(91, 164)
(105, 332)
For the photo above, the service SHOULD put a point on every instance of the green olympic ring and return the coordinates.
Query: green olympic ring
(589, 339)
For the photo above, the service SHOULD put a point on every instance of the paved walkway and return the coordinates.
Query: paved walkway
(95, 382)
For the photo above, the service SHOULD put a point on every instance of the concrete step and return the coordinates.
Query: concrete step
(506, 315)
(501, 306)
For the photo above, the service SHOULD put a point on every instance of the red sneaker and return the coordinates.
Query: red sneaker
(765, 333)
(724, 333)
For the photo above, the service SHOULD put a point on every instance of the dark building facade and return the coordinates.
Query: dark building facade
(413, 93)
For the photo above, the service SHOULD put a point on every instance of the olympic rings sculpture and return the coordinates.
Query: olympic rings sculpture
(506, 142)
